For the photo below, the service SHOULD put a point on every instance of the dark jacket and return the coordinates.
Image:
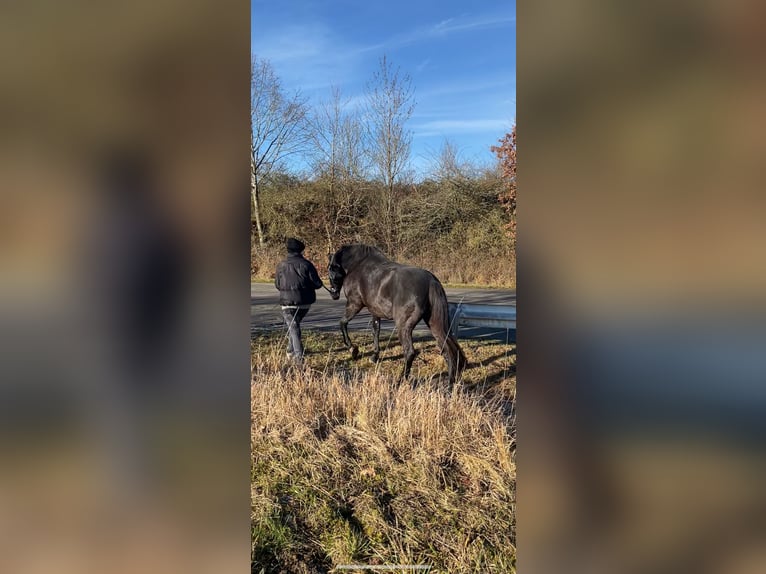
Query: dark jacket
(297, 280)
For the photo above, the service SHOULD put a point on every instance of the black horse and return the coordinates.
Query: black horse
(393, 291)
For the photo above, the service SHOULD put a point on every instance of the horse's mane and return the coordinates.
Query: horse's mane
(349, 255)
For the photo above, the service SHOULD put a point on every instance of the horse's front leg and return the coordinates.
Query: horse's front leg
(408, 350)
(375, 339)
(352, 308)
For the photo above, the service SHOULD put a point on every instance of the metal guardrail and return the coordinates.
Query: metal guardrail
(488, 316)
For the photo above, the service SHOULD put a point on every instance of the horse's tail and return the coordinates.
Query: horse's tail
(440, 328)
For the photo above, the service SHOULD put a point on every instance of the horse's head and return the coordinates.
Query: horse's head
(337, 273)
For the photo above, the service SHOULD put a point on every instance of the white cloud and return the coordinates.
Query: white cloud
(467, 85)
(438, 127)
(442, 29)
(309, 56)
(476, 23)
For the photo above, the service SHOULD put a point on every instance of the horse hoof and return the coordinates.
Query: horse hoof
(354, 353)
(375, 357)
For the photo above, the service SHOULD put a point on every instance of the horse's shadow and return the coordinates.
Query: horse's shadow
(490, 360)
(369, 352)
(478, 387)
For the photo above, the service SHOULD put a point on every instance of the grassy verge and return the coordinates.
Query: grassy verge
(508, 285)
(477, 268)
(349, 466)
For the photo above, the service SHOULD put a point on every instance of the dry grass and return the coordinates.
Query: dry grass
(478, 268)
(350, 466)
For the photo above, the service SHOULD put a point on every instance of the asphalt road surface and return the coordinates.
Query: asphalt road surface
(266, 315)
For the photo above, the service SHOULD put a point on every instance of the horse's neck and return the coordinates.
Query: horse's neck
(366, 254)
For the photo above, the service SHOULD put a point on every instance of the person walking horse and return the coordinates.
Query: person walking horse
(297, 280)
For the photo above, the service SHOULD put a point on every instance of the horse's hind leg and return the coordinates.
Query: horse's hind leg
(375, 339)
(351, 311)
(447, 345)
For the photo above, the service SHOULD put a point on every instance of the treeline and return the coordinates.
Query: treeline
(456, 227)
(356, 185)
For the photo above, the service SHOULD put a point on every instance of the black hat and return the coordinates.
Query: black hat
(295, 245)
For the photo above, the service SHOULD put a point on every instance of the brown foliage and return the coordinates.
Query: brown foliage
(506, 153)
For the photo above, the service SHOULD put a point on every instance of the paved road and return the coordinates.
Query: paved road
(265, 313)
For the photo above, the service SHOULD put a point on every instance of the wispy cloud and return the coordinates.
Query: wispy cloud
(438, 127)
(443, 29)
(467, 85)
(292, 42)
(451, 25)
(314, 55)
(309, 55)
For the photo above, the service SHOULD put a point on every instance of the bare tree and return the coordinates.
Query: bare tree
(447, 164)
(442, 199)
(279, 129)
(390, 103)
(340, 163)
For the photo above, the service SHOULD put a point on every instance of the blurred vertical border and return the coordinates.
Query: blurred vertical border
(124, 225)
(642, 324)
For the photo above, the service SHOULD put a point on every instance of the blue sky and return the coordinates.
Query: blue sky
(460, 55)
